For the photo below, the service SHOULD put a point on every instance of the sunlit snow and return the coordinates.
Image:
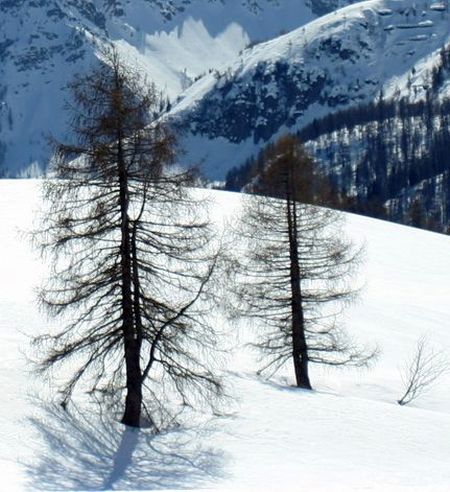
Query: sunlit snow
(347, 435)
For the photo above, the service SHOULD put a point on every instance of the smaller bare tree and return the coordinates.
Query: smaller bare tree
(296, 272)
(422, 370)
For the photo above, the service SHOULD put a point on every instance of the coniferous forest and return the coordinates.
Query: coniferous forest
(386, 159)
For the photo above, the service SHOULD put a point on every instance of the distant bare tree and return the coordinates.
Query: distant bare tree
(424, 368)
(295, 278)
(132, 251)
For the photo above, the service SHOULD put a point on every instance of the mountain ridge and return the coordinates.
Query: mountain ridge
(43, 43)
(342, 59)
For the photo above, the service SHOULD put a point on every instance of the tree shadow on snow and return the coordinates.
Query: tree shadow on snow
(81, 451)
(285, 385)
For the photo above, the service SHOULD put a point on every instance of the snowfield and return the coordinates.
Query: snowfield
(347, 435)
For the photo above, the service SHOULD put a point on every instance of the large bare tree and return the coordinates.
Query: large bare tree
(132, 253)
(296, 275)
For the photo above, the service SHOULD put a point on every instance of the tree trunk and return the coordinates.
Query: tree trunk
(133, 399)
(299, 347)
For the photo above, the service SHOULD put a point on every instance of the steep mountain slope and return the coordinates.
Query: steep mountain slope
(390, 158)
(347, 436)
(43, 43)
(342, 59)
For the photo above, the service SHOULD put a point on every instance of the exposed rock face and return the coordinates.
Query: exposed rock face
(322, 7)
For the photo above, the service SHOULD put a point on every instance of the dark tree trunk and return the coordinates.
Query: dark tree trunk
(136, 288)
(133, 399)
(299, 347)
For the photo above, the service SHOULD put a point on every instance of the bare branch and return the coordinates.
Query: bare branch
(132, 254)
(422, 371)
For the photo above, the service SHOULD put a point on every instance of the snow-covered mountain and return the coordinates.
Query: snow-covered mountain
(44, 43)
(228, 100)
(348, 435)
(340, 60)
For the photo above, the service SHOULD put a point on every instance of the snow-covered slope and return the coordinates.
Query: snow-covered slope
(44, 43)
(348, 435)
(341, 59)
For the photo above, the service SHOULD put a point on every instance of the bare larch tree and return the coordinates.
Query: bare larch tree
(132, 251)
(296, 276)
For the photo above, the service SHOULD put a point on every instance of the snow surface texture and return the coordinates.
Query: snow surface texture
(347, 435)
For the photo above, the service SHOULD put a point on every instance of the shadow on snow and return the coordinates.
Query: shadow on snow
(86, 451)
